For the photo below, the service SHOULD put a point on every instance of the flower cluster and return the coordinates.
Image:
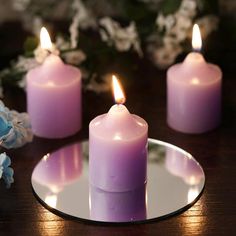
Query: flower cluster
(15, 128)
(20, 5)
(150, 28)
(82, 18)
(15, 131)
(6, 172)
(25, 63)
(122, 38)
(100, 86)
(40, 54)
(176, 29)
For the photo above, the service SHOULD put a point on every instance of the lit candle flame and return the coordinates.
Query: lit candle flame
(117, 90)
(45, 40)
(196, 38)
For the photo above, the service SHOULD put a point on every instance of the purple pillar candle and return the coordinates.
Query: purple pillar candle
(117, 148)
(54, 98)
(194, 93)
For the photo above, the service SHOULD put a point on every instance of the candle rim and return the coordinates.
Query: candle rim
(93, 128)
(38, 81)
(171, 75)
(196, 57)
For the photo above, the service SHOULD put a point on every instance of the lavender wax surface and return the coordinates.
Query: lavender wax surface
(194, 95)
(118, 150)
(54, 98)
(194, 92)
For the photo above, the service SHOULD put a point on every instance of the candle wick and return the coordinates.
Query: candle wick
(120, 101)
(198, 50)
(48, 51)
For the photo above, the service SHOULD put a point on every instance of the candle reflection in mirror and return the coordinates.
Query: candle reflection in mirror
(59, 168)
(193, 192)
(51, 200)
(117, 206)
(187, 169)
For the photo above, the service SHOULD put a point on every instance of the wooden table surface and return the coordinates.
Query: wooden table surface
(213, 214)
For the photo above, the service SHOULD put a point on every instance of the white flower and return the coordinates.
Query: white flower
(180, 34)
(25, 63)
(41, 54)
(99, 87)
(169, 22)
(86, 18)
(74, 57)
(74, 30)
(61, 43)
(105, 37)
(122, 38)
(82, 18)
(182, 27)
(177, 28)
(160, 21)
(180, 23)
(20, 5)
(188, 8)
(165, 22)
(109, 25)
(183, 22)
(166, 55)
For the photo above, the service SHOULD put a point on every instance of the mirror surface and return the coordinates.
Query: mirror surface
(175, 181)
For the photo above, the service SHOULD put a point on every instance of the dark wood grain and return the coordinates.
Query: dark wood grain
(213, 214)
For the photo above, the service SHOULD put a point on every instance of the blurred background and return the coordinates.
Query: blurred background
(106, 36)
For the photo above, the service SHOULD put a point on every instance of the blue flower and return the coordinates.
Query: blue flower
(5, 126)
(6, 172)
(15, 128)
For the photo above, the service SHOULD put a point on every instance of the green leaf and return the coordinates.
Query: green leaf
(170, 6)
(30, 44)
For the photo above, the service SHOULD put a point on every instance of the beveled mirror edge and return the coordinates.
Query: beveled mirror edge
(89, 221)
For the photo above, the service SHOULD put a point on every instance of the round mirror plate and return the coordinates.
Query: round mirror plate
(175, 182)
